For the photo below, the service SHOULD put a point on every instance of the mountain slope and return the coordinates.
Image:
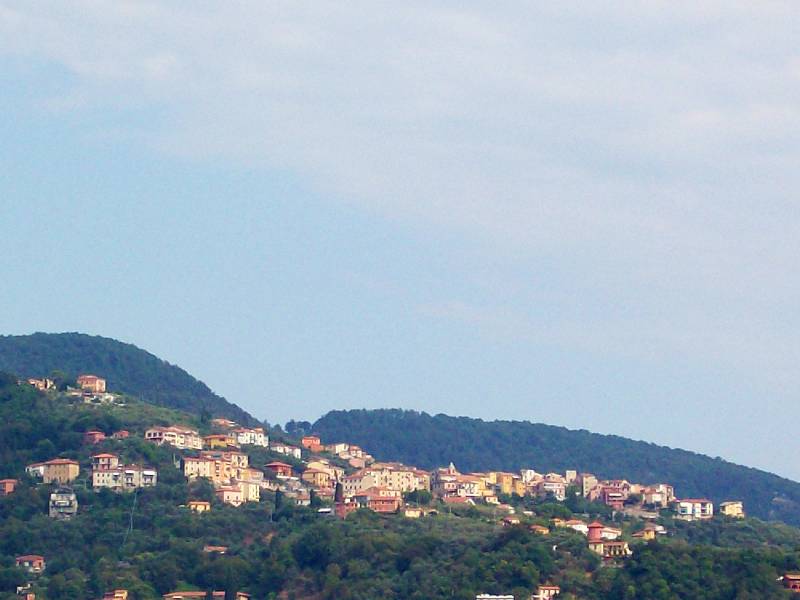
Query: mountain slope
(127, 369)
(476, 445)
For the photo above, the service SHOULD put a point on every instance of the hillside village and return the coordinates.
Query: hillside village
(338, 478)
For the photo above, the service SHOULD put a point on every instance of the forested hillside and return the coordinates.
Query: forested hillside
(149, 543)
(475, 445)
(127, 369)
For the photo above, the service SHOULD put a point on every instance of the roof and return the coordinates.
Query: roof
(29, 557)
(695, 500)
(277, 463)
(61, 461)
(105, 455)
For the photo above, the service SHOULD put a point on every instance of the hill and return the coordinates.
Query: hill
(127, 369)
(149, 543)
(475, 445)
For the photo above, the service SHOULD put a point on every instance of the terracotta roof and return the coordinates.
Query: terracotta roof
(61, 461)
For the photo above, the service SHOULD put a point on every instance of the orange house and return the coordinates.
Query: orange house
(7, 486)
(312, 442)
(93, 437)
(92, 383)
(31, 562)
(280, 469)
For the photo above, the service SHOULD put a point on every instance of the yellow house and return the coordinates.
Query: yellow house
(221, 441)
(733, 509)
(199, 506)
(60, 470)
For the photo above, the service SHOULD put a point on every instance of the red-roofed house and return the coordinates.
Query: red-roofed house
(31, 562)
(280, 469)
(92, 383)
(7, 486)
(93, 437)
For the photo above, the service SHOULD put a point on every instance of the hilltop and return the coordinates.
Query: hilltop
(474, 445)
(127, 369)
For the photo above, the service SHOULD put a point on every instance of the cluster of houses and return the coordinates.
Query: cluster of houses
(544, 592)
(91, 388)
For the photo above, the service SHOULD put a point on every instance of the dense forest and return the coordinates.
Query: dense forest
(149, 544)
(127, 369)
(475, 445)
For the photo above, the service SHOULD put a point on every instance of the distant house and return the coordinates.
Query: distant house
(43, 384)
(286, 449)
(202, 596)
(116, 595)
(791, 581)
(121, 435)
(92, 383)
(199, 506)
(107, 472)
(546, 592)
(608, 549)
(93, 437)
(220, 441)
(692, 509)
(33, 563)
(7, 486)
(317, 478)
(253, 437)
(510, 520)
(540, 529)
(179, 437)
(312, 442)
(63, 504)
(280, 469)
(208, 549)
(223, 423)
(230, 494)
(732, 508)
(58, 470)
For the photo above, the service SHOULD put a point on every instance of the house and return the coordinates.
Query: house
(493, 597)
(221, 441)
(251, 492)
(692, 509)
(92, 383)
(610, 533)
(122, 434)
(123, 477)
(223, 423)
(93, 437)
(732, 508)
(208, 549)
(317, 478)
(510, 521)
(230, 494)
(791, 581)
(252, 437)
(42, 384)
(577, 525)
(60, 470)
(645, 535)
(116, 595)
(312, 443)
(7, 486)
(540, 529)
(63, 504)
(197, 466)
(203, 595)
(104, 462)
(280, 469)
(33, 563)
(546, 592)
(286, 449)
(193, 596)
(608, 549)
(199, 506)
(412, 512)
(35, 470)
(179, 437)
(380, 500)
(660, 494)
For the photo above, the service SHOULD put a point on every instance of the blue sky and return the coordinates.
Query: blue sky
(579, 215)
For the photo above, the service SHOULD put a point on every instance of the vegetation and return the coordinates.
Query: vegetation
(149, 543)
(127, 369)
(474, 445)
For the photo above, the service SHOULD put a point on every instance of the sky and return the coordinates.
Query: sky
(583, 214)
